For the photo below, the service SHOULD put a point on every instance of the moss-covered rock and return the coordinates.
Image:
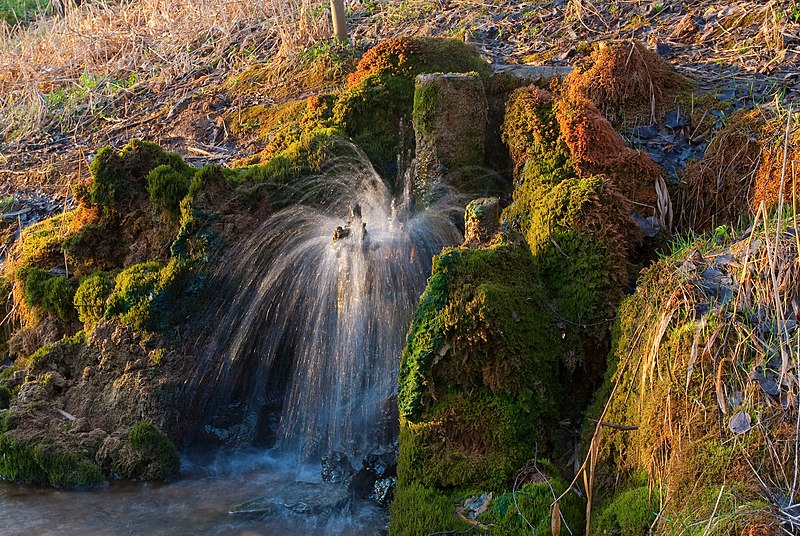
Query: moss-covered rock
(48, 294)
(629, 83)
(454, 156)
(149, 296)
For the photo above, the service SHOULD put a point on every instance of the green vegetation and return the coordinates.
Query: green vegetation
(119, 179)
(90, 297)
(45, 464)
(630, 513)
(167, 187)
(48, 293)
(21, 11)
(150, 297)
(417, 511)
(152, 456)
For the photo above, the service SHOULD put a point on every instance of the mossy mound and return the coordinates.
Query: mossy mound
(698, 356)
(60, 427)
(553, 138)
(317, 68)
(374, 110)
(596, 148)
(406, 57)
(628, 83)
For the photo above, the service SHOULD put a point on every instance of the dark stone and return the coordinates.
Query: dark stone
(664, 49)
(300, 498)
(382, 464)
(336, 468)
(675, 119)
(362, 484)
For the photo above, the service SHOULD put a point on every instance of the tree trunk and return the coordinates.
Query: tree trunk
(339, 24)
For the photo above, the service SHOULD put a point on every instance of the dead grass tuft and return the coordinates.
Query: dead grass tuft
(773, 176)
(719, 186)
(628, 83)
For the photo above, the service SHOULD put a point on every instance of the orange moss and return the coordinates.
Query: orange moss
(409, 56)
(597, 149)
(628, 83)
(771, 173)
(719, 186)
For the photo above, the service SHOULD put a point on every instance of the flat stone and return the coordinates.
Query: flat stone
(300, 498)
(534, 73)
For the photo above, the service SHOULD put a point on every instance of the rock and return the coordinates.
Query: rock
(481, 220)
(534, 73)
(383, 491)
(336, 468)
(381, 464)
(740, 422)
(449, 156)
(475, 506)
(31, 392)
(300, 498)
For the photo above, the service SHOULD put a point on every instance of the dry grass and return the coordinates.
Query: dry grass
(98, 48)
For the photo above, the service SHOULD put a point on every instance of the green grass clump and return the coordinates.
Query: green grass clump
(418, 511)
(48, 293)
(90, 297)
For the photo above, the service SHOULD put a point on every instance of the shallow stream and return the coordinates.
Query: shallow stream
(197, 504)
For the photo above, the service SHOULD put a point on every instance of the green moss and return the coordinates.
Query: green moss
(426, 99)
(473, 441)
(167, 187)
(118, 179)
(630, 513)
(150, 297)
(531, 131)
(479, 320)
(90, 297)
(409, 56)
(419, 511)
(154, 456)
(45, 463)
(195, 239)
(39, 243)
(373, 113)
(49, 294)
